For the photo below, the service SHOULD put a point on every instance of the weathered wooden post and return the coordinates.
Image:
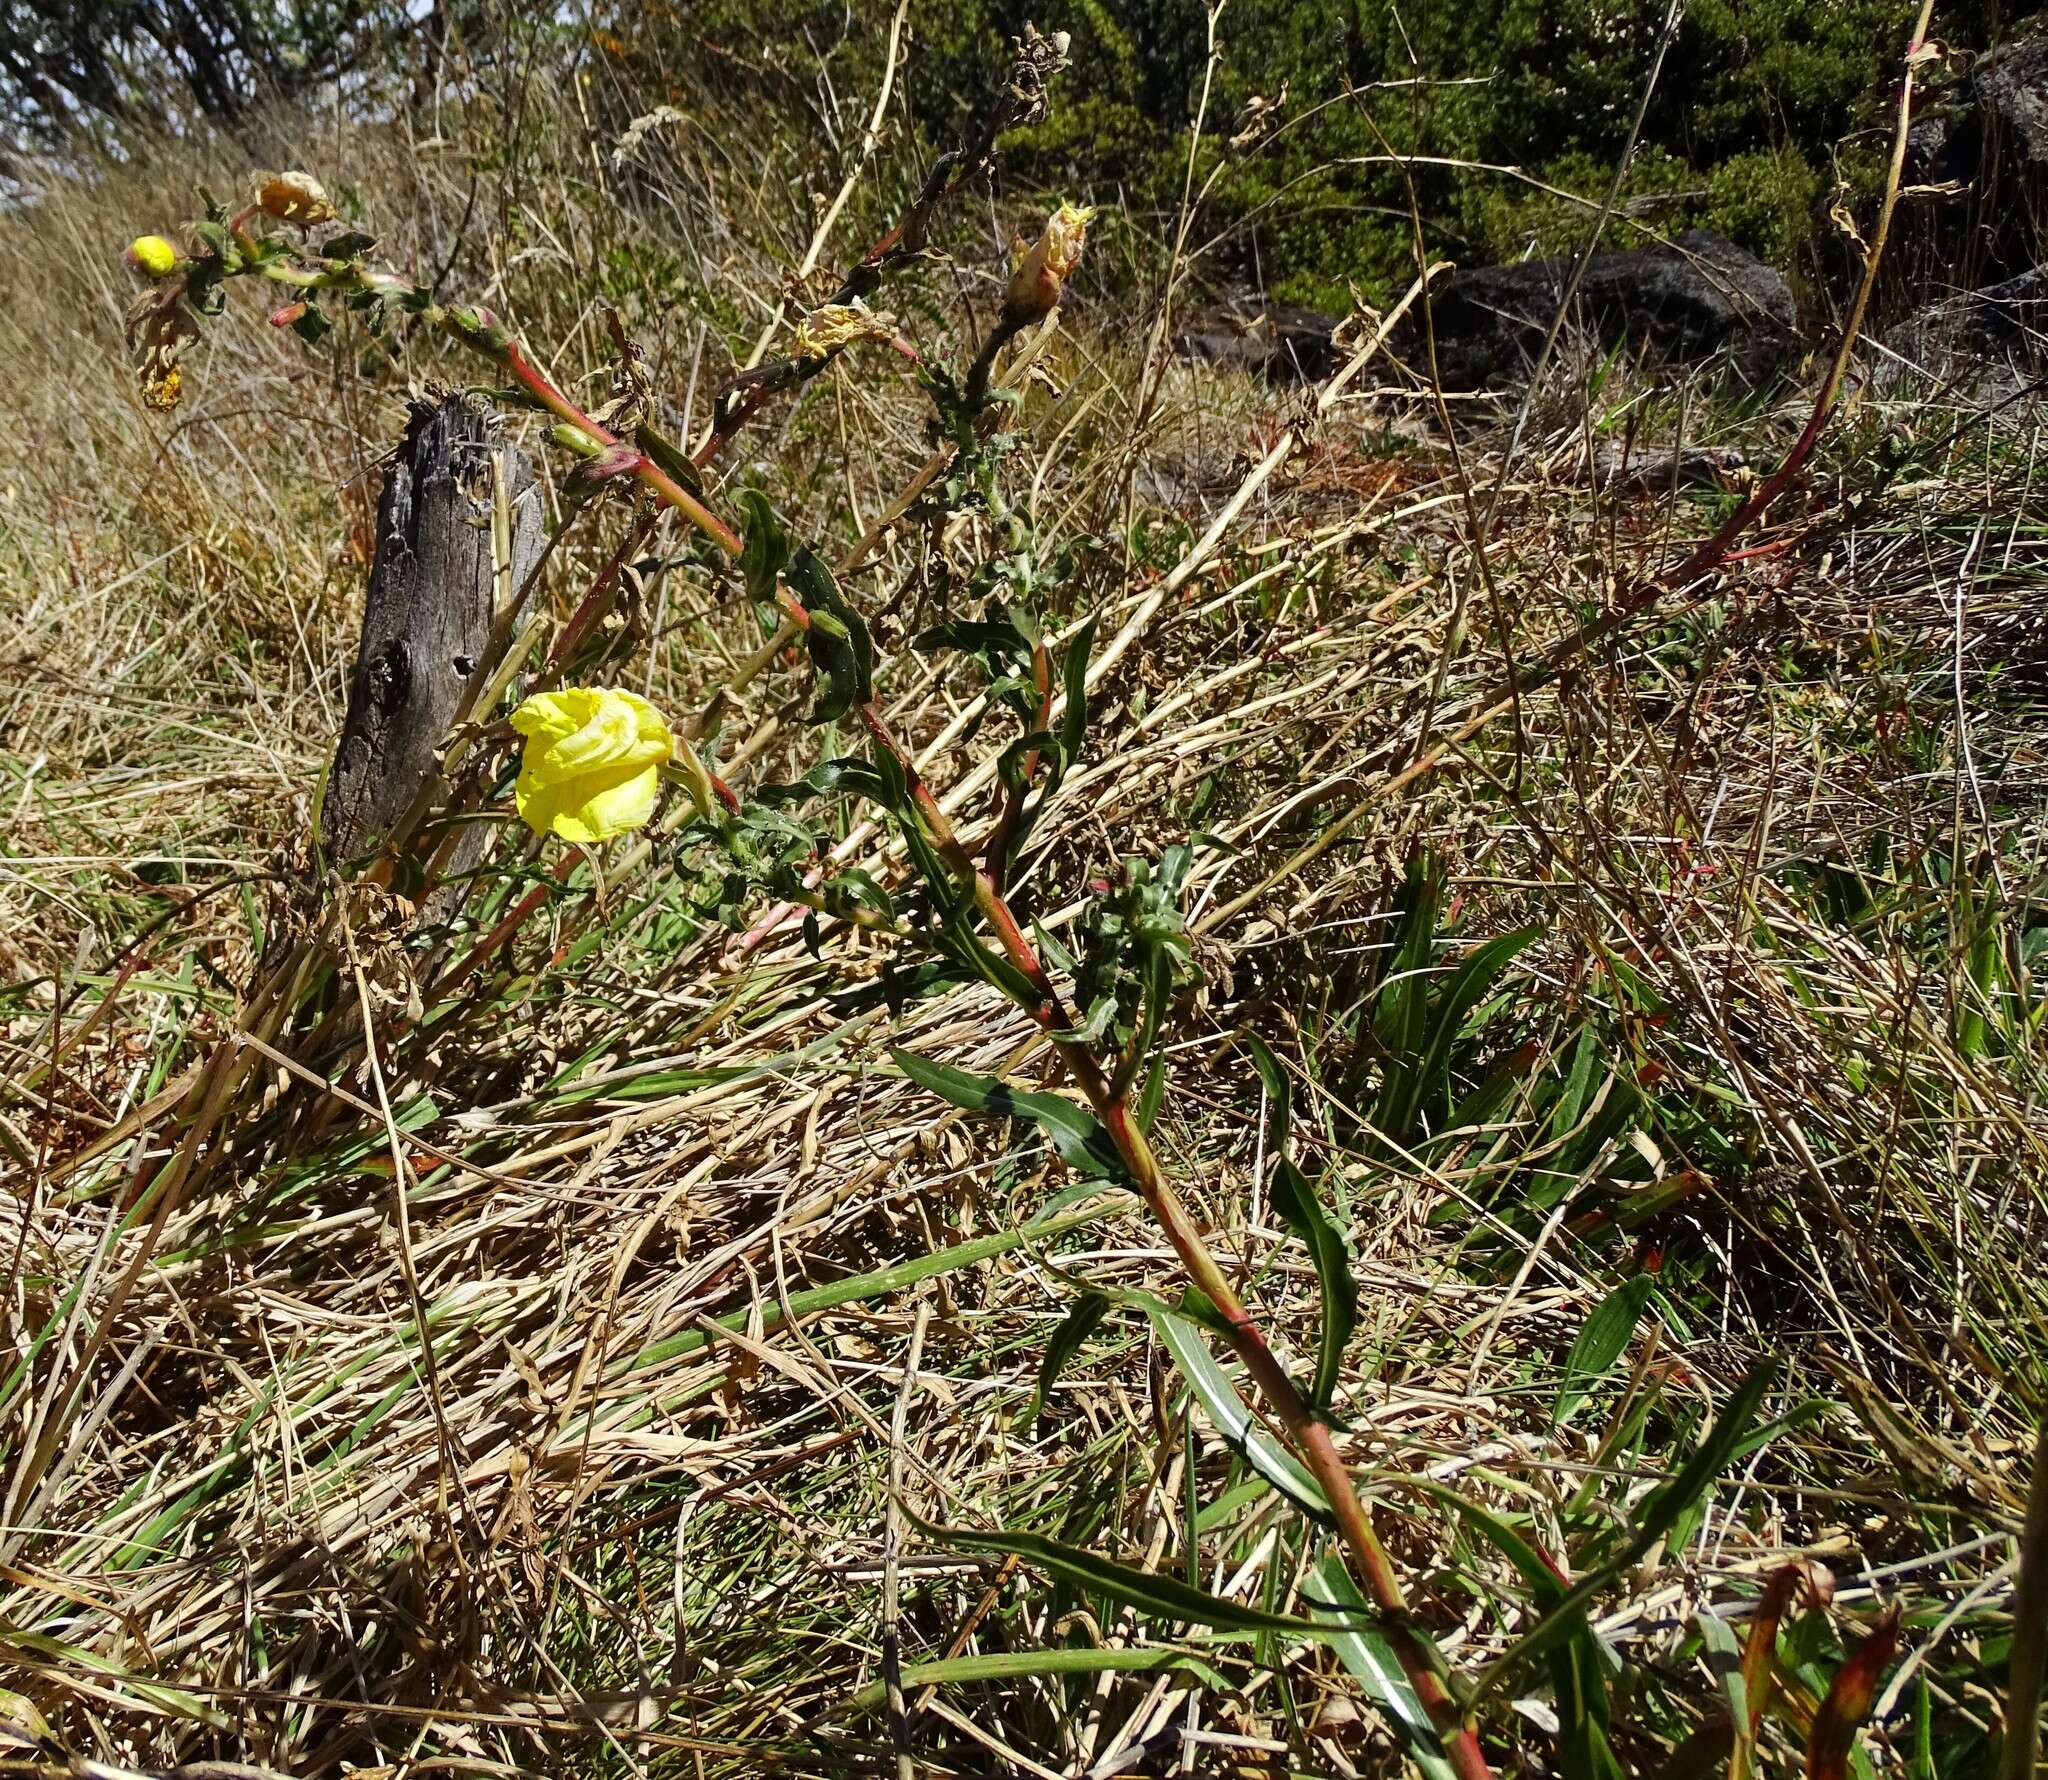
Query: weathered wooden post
(434, 582)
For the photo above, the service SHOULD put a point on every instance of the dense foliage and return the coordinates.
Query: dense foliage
(1522, 106)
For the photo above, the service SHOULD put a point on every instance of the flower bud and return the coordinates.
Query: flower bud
(152, 256)
(1040, 271)
(294, 198)
(289, 316)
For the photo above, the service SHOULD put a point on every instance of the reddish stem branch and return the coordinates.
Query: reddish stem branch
(996, 853)
(650, 474)
(1308, 1433)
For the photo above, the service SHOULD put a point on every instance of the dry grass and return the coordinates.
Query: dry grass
(674, 1223)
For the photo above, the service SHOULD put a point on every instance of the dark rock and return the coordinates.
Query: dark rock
(1976, 196)
(1277, 341)
(1683, 303)
(1994, 340)
(2011, 90)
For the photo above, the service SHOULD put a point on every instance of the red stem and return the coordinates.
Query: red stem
(652, 475)
(1307, 1432)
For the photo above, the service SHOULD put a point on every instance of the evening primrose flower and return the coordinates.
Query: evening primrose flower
(1039, 272)
(592, 762)
(153, 255)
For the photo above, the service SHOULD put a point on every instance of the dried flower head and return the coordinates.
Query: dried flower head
(158, 326)
(294, 198)
(836, 326)
(1039, 271)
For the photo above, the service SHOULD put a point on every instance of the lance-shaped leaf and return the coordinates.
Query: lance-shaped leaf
(1849, 1700)
(1186, 1340)
(1074, 1132)
(1153, 1593)
(1601, 1340)
(1367, 1652)
(1066, 1341)
(1659, 1512)
(1297, 1202)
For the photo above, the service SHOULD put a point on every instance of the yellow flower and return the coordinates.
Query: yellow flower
(1039, 272)
(154, 255)
(592, 762)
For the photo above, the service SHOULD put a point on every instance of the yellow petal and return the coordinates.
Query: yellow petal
(591, 768)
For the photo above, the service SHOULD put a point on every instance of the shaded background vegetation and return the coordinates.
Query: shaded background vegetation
(1764, 109)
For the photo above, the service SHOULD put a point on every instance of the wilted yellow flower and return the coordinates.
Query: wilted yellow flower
(592, 762)
(824, 331)
(154, 255)
(294, 197)
(1039, 272)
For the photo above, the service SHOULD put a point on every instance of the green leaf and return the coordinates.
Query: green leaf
(1007, 1665)
(767, 547)
(1468, 986)
(837, 638)
(1074, 674)
(1296, 1201)
(1279, 1094)
(1066, 1341)
(1657, 1515)
(1366, 1651)
(1075, 1133)
(1600, 1341)
(1184, 1338)
(1151, 1095)
(1153, 1593)
(351, 246)
(311, 326)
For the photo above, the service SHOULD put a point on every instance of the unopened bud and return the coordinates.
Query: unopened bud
(152, 256)
(1040, 271)
(295, 198)
(291, 312)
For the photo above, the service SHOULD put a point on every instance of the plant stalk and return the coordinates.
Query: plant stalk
(1306, 1432)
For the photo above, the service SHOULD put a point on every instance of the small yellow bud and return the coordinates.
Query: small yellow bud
(1040, 271)
(153, 255)
(825, 331)
(592, 762)
(294, 198)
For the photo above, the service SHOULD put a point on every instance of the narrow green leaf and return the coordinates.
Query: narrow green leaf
(1006, 1665)
(1066, 1341)
(1074, 673)
(1296, 1201)
(1152, 1094)
(1150, 1592)
(1601, 1341)
(1279, 1094)
(1365, 1650)
(1724, 1658)
(1659, 1512)
(1468, 986)
(1187, 1342)
(1075, 1133)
